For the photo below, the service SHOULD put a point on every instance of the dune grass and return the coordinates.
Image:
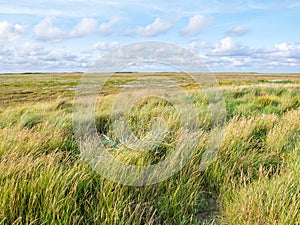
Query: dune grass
(254, 178)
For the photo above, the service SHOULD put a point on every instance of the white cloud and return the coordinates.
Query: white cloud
(89, 26)
(281, 53)
(286, 50)
(106, 28)
(228, 46)
(229, 55)
(237, 31)
(41, 57)
(196, 47)
(285, 47)
(154, 29)
(86, 26)
(196, 24)
(10, 32)
(105, 46)
(46, 31)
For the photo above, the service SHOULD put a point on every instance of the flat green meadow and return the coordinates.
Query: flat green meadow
(254, 178)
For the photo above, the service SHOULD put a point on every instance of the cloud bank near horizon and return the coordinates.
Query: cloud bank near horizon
(55, 36)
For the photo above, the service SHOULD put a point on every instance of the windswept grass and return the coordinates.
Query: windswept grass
(254, 178)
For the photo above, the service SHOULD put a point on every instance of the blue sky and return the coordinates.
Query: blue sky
(69, 35)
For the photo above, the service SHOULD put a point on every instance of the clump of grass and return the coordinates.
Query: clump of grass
(103, 122)
(296, 102)
(31, 121)
(242, 154)
(64, 105)
(267, 101)
(267, 201)
(285, 135)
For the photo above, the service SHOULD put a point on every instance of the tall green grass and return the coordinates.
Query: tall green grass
(254, 178)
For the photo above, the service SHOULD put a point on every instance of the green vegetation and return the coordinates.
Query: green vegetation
(254, 179)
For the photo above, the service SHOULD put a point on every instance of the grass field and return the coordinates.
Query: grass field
(254, 178)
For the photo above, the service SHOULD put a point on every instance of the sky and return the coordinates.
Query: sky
(69, 35)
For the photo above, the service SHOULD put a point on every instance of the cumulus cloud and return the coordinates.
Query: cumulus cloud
(106, 28)
(10, 32)
(46, 31)
(196, 24)
(196, 47)
(41, 57)
(228, 46)
(286, 50)
(105, 46)
(86, 26)
(157, 27)
(237, 31)
(286, 47)
(229, 54)
(90, 26)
